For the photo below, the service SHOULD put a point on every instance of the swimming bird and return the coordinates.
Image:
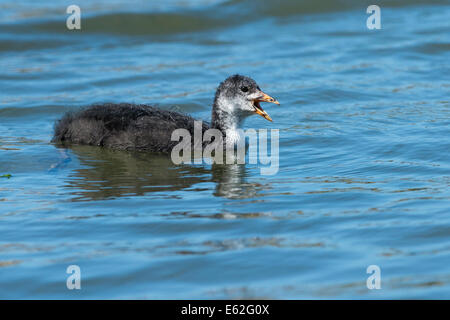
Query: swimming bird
(140, 127)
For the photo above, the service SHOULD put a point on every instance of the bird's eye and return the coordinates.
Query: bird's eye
(244, 89)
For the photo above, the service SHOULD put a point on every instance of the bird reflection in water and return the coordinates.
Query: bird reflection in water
(105, 174)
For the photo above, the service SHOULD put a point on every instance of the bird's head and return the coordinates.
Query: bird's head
(239, 96)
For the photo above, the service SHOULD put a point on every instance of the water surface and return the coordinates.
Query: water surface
(364, 151)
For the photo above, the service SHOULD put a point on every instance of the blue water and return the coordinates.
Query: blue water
(364, 168)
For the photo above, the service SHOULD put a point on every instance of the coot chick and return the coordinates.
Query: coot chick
(127, 126)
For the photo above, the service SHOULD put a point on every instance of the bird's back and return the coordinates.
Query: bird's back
(123, 126)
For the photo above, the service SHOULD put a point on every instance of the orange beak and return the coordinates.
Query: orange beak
(263, 98)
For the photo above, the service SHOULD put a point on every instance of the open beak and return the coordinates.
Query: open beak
(263, 98)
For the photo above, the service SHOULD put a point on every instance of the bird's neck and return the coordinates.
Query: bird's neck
(227, 121)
